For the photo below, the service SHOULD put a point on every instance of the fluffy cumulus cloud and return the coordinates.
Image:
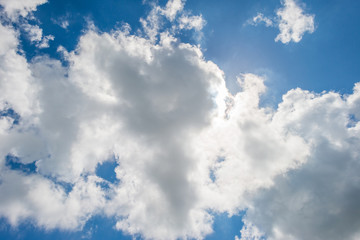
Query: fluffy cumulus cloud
(47, 203)
(185, 147)
(16, 8)
(250, 232)
(20, 192)
(291, 21)
(19, 12)
(172, 8)
(35, 35)
(17, 88)
(318, 200)
(154, 107)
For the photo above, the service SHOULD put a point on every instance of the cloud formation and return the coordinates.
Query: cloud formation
(260, 18)
(291, 21)
(185, 148)
(321, 197)
(173, 12)
(35, 35)
(17, 8)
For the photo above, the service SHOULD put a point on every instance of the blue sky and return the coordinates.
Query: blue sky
(178, 119)
(329, 54)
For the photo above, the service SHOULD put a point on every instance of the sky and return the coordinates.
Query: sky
(176, 119)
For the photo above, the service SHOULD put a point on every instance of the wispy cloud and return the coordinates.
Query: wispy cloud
(260, 18)
(63, 21)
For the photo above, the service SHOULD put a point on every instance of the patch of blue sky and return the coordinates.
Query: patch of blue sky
(225, 227)
(13, 163)
(9, 112)
(106, 171)
(67, 187)
(325, 60)
(106, 16)
(352, 121)
(212, 173)
(96, 228)
(76, 16)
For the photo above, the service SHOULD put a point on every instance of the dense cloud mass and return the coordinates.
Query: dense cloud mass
(320, 199)
(185, 147)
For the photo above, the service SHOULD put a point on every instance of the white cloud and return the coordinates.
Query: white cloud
(321, 197)
(168, 102)
(16, 8)
(250, 232)
(291, 20)
(261, 18)
(164, 112)
(34, 32)
(47, 203)
(173, 12)
(17, 88)
(185, 146)
(251, 156)
(293, 23)
(63, 21)
(45, 41)
(191, 22)
(8, 41)
(172, 8)
(35, 35)
(64, 24)
(169, 111)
